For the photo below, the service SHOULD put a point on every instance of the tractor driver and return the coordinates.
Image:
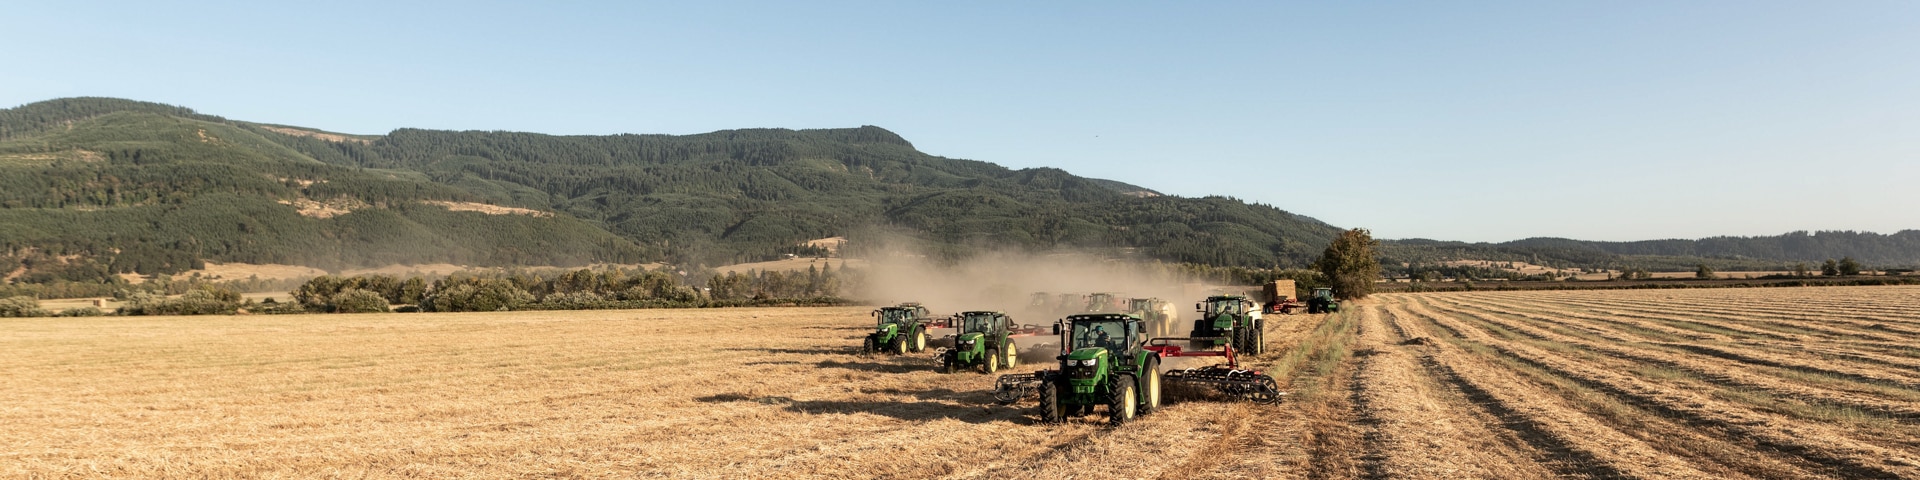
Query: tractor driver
(1101, 338)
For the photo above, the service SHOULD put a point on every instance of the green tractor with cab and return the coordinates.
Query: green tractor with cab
(1323, 301)
(902, 328)
(1234, 318)
(1105, 362)
(985, 341)
(1158, 314)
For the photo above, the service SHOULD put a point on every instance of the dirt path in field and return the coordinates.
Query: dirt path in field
(1421, 428)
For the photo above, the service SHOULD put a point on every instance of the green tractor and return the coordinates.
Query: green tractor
(1106, 362)
(985, 341)
(1322, 301)
(1157, 313)
(902, 329)
(1101, 303)
(1233, 318)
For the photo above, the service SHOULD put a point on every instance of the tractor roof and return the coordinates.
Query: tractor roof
(982, 312)
(1097, 317)
(1226, 297)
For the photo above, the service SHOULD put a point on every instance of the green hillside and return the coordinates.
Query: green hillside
(96, 186)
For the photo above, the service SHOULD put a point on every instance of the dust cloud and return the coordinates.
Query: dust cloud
(1007, 282)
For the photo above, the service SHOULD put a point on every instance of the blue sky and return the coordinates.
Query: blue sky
(1478, 121)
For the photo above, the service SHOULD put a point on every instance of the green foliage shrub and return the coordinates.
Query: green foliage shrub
(354, 300)
(478, 295)
(22, 307)
(88, 311)
(206, 301)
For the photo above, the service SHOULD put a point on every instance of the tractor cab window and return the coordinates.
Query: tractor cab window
(978, 323)
(1233, 306)
(895, 316)
(1110, 335)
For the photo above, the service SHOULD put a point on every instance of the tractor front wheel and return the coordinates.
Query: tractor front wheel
(1050, 411)
(1125, 403)
(900, 345)
(868, 346)
(919, 340)
(992, 362)
(946, 363)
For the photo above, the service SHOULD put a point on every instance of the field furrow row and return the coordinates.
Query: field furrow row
(1821, 444)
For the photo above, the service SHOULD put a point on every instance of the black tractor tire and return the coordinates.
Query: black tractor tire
(1260, 337)
(899, 346)
(867, 345)
(1200, 330)
(919, 340)
(946, 363)
(1050, 411)
(1125, 401)
(991, 363)
(1150, 387)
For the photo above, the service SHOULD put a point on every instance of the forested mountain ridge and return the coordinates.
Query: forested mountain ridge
(95, 186)
(1899, 249)
(92, 187)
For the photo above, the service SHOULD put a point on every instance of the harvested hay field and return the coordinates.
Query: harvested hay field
(1760, 383)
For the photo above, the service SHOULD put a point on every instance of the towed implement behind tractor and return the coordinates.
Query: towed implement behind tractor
(902, 329)
(1104, 363)
(985, 340)
(1227, 378)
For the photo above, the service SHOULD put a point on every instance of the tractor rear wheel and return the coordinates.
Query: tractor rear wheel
(1259, 337)
(1152, 389)
(1125, 403)
(1013, 355)
(991, 363)
(1050, 411)
(900, 345)
(919, 340)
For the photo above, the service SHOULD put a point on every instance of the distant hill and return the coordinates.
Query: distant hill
(93, 187)
(96, 186)
(1900, 249)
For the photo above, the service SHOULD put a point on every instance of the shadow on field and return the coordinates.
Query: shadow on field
(925, 409)
(846, 327)
(852, 350)
(878, 367)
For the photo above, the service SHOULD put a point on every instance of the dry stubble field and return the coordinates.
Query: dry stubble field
(1724, 383)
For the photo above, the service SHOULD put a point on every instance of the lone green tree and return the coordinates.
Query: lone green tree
(1848, 266)
(1350, 265)
(1704, 272)
(1830, 268)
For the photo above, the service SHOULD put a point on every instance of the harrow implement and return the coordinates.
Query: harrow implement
(1228, 378)
(1015, 386)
